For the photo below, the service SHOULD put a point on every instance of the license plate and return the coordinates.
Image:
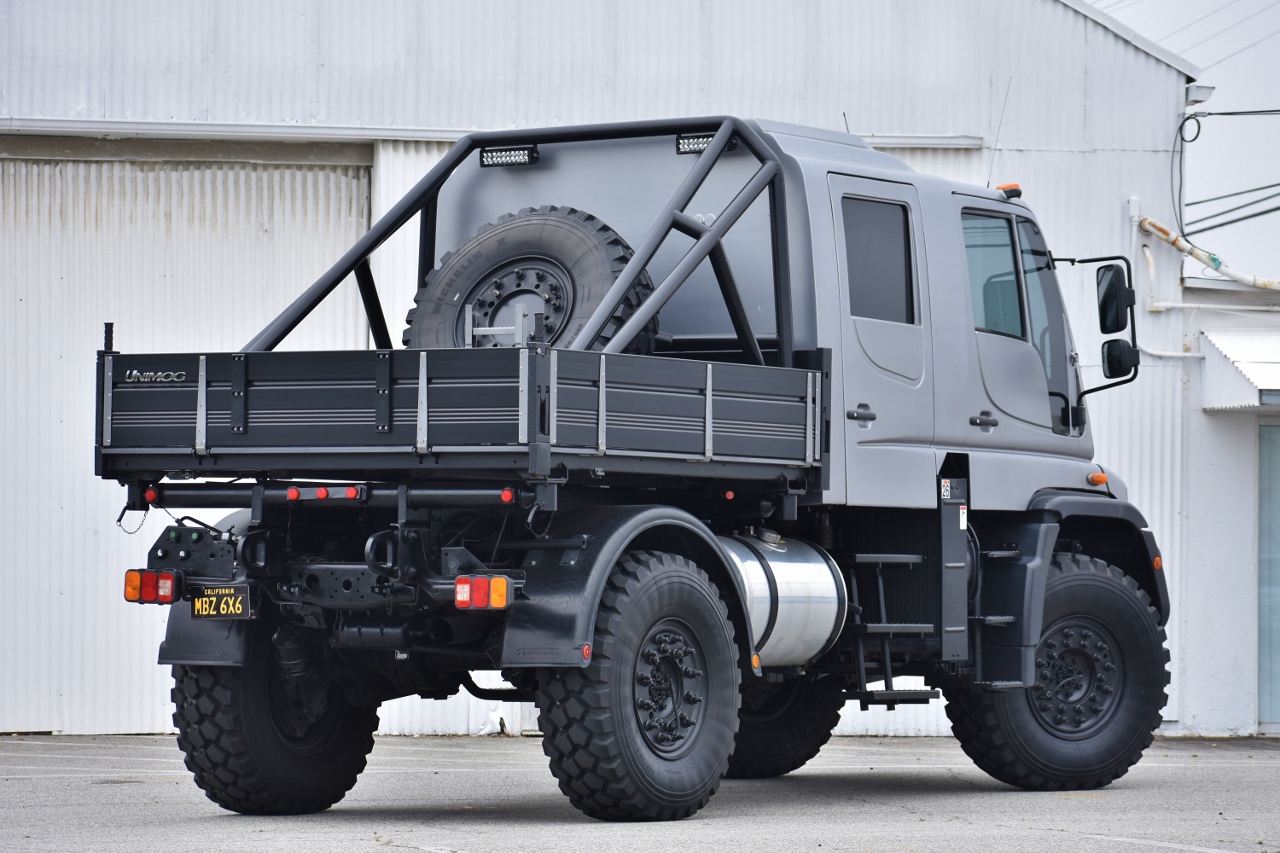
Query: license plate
(221, 602)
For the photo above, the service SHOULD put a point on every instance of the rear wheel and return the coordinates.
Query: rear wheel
(255, 749)
(782, 726)
(645, 731)
(1100, 687)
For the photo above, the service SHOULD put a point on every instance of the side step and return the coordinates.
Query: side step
(892, 698)
(890, 628)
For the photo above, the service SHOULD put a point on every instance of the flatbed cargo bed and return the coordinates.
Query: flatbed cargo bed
(388, 414)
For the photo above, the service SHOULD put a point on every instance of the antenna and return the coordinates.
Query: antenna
(846, 121)
(995, 149)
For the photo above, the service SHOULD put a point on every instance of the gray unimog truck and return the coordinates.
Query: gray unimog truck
(700, 429)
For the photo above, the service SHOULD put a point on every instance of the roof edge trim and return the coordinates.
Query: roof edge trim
(1130, 35)
(134, 129)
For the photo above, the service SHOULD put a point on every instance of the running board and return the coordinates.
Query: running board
(892, 698)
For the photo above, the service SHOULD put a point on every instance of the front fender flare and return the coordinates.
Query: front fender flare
(1134, 551)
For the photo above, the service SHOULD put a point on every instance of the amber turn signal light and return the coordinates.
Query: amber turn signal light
(1097, 478)
(133, 585)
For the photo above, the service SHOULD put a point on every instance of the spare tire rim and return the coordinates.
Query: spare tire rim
(670, 687)
(531, 284)
(1079, 678)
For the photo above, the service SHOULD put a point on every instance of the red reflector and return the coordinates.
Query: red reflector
(508, 495)
(164, 588)
(462, 593)
(322, 493)
(728, 494)
(352, 492)
(293, 494)
(149, 591)
(586, 651)
(480, 591)
(151, 495)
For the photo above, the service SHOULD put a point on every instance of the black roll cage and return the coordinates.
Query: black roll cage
(707, 239)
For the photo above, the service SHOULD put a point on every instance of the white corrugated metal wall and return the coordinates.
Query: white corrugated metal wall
(180, 255)
(1088, 124)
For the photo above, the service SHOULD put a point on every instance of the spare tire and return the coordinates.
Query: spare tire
(556, 261)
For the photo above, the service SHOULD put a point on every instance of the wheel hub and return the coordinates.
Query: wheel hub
(529, 285)
(669, 689)
(1079, 677)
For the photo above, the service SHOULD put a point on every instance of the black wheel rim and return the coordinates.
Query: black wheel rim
(305, 721)
(534, 284)
(1079, 678)
(670, 689)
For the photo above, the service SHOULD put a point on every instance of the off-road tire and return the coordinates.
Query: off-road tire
(1019, 737)
(241, 760)
(566, 242)
(607, 762)
(782, 726)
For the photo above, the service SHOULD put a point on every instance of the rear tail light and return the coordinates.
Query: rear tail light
(133, 585)
(165, 585)
(480, 592)
(498, 587)
(462, 593)
(149, 587)
(483, 592)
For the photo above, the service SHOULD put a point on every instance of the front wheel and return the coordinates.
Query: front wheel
(253, 751)
(1099, 689)
(645, 731)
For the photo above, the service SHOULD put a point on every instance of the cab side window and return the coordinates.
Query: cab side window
(877, 238)
(993, 277)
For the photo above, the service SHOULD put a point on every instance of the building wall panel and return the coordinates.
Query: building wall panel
(180, 256)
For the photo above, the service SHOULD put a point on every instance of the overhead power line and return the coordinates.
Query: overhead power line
(1233, 221)
(1185, 27)
(1233, 209)
(1234, 194)
(1270, 5)
(1242, 50)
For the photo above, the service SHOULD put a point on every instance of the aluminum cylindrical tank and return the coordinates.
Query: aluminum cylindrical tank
(795, 596)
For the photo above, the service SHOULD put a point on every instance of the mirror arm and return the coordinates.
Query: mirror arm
(1133, 325)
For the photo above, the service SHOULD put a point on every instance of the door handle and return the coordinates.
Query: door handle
(860, 415)
(984, 420)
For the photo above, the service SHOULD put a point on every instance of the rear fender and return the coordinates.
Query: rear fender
(555, 618)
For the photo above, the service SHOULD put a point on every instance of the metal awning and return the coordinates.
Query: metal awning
(1241, 369)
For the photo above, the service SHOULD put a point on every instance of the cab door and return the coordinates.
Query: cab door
(1017, 421)
(887, 355)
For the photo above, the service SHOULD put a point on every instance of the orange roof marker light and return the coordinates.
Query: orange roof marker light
(1010, 191)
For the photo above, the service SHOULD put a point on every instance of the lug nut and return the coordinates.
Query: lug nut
(686, 721)
(650, 656)
(644, 679)
(690, 698)
(645, 705)
(690, 672)
(539, 275)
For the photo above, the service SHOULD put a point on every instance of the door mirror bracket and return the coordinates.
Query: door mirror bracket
(1116, 300)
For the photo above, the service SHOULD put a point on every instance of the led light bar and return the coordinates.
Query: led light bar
(696, 143)
(516, 155)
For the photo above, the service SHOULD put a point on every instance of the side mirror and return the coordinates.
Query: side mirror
(1119, 358)
(1115, 298)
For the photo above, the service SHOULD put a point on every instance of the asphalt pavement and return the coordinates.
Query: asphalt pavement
(475, 795)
